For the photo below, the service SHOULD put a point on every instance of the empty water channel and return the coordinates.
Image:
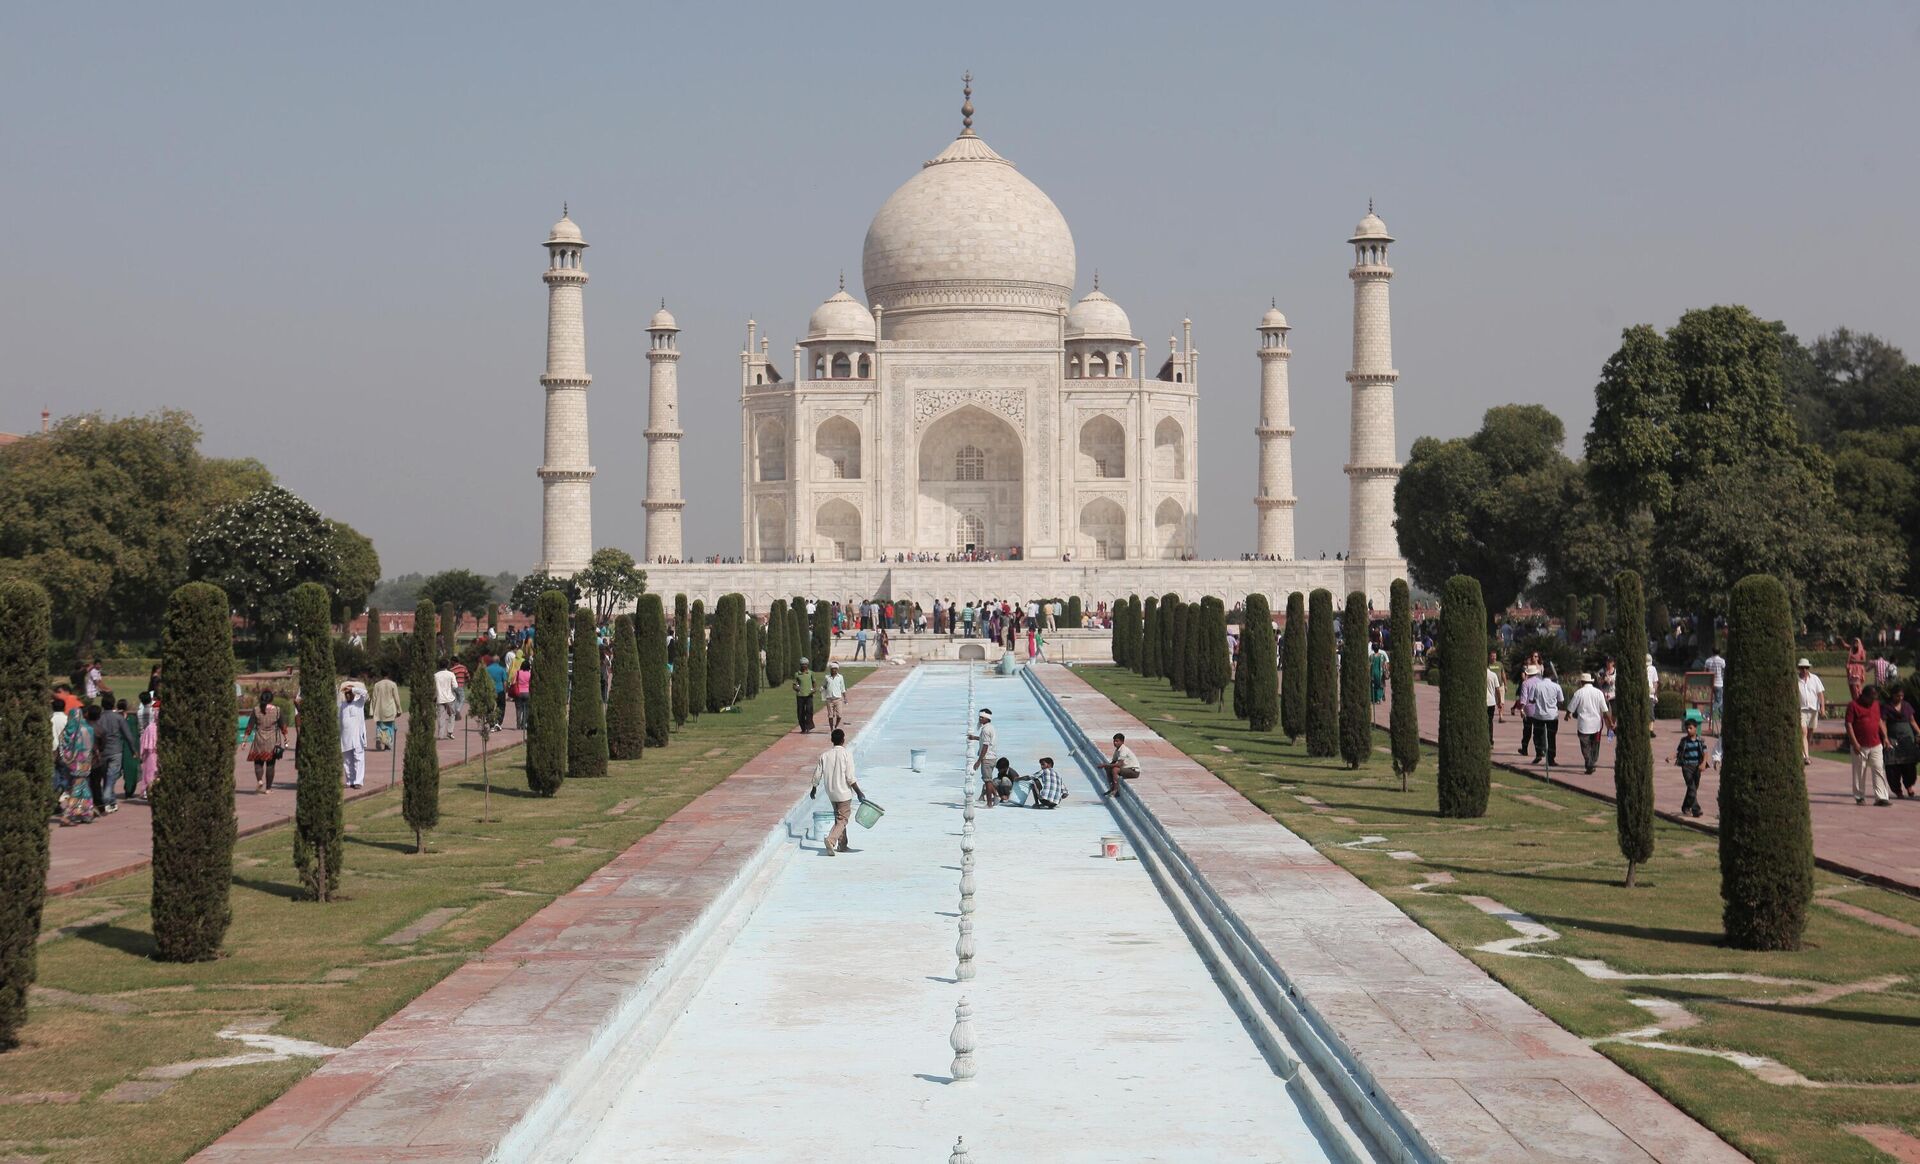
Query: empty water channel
(814, 1020)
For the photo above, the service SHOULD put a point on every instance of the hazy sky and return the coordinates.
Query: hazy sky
(318, 227)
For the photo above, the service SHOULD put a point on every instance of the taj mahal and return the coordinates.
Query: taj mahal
(970, 428)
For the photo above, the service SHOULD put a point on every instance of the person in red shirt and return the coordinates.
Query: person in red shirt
(68, 700)
(460, 676)
(1868, 738)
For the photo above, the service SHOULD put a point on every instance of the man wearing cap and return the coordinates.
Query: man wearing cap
(353, 734)
(989, 750)
(1813, 698)
(1588, 711)
(835, 690)
(803, 684)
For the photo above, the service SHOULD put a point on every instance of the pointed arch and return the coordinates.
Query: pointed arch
(1169, 450)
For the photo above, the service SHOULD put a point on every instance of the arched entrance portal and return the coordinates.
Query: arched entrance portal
(970, 474)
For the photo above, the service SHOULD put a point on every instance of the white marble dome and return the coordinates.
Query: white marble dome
(1273, 318)
(1098, 317)
(841, 318)
(1371, 229)
(662, 320)
(564, 231)
(967, 218)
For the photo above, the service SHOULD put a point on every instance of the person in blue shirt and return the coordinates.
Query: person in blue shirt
(1690, 755)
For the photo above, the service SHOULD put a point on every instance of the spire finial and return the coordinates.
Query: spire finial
(1274, 303)
(563, 210)
(1369, 204)
(843, 278)
(966, 107)
(663, 303)
(1096, 278)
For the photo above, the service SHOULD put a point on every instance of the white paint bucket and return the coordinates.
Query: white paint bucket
(1110, 846)
(916, 758)
(822, 823)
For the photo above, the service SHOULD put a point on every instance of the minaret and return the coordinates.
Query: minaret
(664, 502)
(1372, 471)
(566, 476)
(1275, 500)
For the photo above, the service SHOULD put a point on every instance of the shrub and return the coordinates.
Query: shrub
(699, 657)
(1262, 668)
(1071, 620)
(1565, 659)
(1149, 661)
(1404, 714)
(1323, 692)
(1633, 751)
(680, 663)
(776, 643)
(627, 709)
(1356, 694)
(1766, 834)
(547, 702)
(650, 628)
(1667, 703)
(586, 715)
(1466, 753)
(1294, 677)
(319, 823)
(193, 820)
(26, 774)
(420, 768)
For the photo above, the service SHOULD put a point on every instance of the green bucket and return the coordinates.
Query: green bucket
(868, 814)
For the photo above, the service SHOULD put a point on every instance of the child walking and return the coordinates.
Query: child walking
(1690, 754)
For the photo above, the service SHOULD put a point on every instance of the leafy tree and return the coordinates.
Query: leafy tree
(610, 581)
(1466, 752)
(1294, 677)
(193, 820)
(420, 767)
(1766, 832)
(464, 591)
(547, 703)
(527, 592)
(145, 487)
(358, 571)
(723, 655)
(398, 593)
(483, 705)
(1632, 446)
(1847, 382)
(1404, 714)
(650, 628)
(627, 709)
(26, 773)
(1356, 704)
(319, 822)
(586, 715)
(1149, 666)
(1258, 661)
(700, 670)
(258, 549)
(1323, 721)
(778, 666)
(1633, 751)
(680, 663)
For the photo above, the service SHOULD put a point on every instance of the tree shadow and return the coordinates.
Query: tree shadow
(1525, 876)
(512, 790)
(1872, 1018)
(273, 888)
(1392, 810)
(1644, 933)
(390, 846)
(138, 943)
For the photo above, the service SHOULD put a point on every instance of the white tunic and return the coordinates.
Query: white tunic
(353, 726)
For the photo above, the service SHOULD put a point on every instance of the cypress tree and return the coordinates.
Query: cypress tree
(776, 641)
(1126, 633)
(699, 662)
(1465, 750)
(1262, 668)
(319, 821)
(1323, 692)
(1241, 692)
(1294, 677)
(680, 657)
(1633, 749)
(1169, 620)
(1598, 616)
(193, 821)
(1659, 622)
(743, 654)
(722, 649)
(373, 637)
(1572, 620)
(547, 703)
(420, 767)
(1149, 662)
(822, 652)
(26, 774)
(650, 628)
(627, 709)
(483, 705)
(1404, 715)
(799, 636)
(1216, 666)
(1356, 702)
(1766, 834)
(1174, 614)
(449, 630)
(586, 715)
(755, 642)
(1071, 620)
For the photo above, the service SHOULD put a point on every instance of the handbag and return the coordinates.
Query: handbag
(279, 750)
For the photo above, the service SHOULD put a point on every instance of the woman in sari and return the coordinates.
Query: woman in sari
(73, 760)
(149, 751)
(1856, 668)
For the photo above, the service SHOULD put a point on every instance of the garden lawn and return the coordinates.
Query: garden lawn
(1851, 1015)
(104, 1012)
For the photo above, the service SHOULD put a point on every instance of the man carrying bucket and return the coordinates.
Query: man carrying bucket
(835, 770)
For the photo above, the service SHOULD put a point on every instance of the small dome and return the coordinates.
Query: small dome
(1371, 229)
(662, 320)
(1098, 317)
(841, 318)
(565, 231)
(1273, 318)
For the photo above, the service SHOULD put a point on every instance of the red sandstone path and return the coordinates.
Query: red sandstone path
(113, 846)
(1877, 844)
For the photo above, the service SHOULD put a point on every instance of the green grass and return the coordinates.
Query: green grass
(321, 969)
(1553, 856)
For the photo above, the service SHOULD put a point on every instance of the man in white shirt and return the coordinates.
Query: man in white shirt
(989, 751)
(1496, 691)
(1813, 700)
(353, 734)
(1717, 664)
(1588, 711)
(445, 693)
(1546, 719)
(835, 690)
(1124, 765)
(835, 772)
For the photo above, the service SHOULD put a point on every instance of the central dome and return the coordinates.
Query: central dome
(968, 231)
